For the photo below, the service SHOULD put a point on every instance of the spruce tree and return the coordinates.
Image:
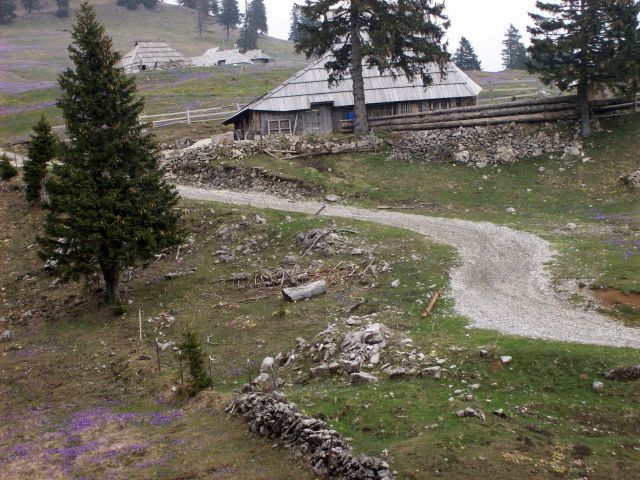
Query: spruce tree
(294, 34)
(465, 56)
(31, 5)
(63, 8)
(214, 7)
(514, 53)
(193, 352)
(7, 171)
(403, 36)
(229, 15)
(581, 43)
(7, 11)
(249, 34)
(109, 205)
(259, 16)
(42, 149)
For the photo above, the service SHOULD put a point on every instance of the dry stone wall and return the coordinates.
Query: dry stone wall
(329, 453)
(491, 145)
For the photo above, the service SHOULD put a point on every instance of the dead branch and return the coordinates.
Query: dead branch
(432, 302)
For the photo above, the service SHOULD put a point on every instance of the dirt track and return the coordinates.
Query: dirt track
(501, 285)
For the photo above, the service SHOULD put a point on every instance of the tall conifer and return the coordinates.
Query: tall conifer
(582, 43)
(109, 206)
(229, 15)
(7, 11)
(514, 53)
(403, 35)
(465, 56)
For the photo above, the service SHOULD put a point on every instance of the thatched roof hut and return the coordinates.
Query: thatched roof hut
(153, 56)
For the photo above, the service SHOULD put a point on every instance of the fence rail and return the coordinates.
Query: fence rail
(190, 116)
(521, 111)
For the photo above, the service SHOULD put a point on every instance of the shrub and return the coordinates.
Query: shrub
(7, 171)
(192, 350)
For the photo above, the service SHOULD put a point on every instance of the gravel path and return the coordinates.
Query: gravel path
(502, 284)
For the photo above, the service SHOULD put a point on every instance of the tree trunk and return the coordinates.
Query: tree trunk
(585, 113)
(360, 122)
(228, 33)
(111, 276)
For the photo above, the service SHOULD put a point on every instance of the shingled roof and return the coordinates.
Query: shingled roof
(310, 86)
(155, 55)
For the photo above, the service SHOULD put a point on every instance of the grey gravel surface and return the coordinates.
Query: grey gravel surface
(501, 284)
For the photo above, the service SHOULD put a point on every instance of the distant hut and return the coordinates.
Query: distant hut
(216, 57)
(259, 57)
(153, 56)
(305, 104)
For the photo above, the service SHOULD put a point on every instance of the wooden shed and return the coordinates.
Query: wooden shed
(305, 104)
(153, 56)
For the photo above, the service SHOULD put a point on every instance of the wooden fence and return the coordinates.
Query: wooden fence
(190, 116)
(521, 111)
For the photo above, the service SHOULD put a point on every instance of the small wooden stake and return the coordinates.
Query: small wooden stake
(158, 354)
(321, 209)
(140, 322)
(432, 302)
(181, 374)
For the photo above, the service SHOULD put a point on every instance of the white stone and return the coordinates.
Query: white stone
(506, 359)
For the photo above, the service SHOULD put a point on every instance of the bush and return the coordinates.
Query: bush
(193, 352)
(7, 171)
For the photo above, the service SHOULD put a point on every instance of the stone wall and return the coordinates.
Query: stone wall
(491, 145)
(330, 454)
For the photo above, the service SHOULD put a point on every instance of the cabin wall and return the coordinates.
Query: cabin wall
(325, 119)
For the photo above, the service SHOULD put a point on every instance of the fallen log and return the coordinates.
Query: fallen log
(432, 303)
(493, 113)
(303, 292)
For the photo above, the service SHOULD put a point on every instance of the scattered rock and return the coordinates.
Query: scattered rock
(597, 386)
(360, 378)
(506, 359)
(570, 227)
(632, 181)
(395, 284)
(433, 372)
(398, 373)
(500, 413)
(6, 336)
(332, 198)
(290, 261)
(624, 374)
(471, 412)
(358, 251)
(267, 365)
(510, 210)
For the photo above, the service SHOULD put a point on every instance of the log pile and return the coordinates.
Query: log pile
(329, 453)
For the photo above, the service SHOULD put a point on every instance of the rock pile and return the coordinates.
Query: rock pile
(482, 146)
(624, 374)
(361, 348)
(632, 181)
(329, 453)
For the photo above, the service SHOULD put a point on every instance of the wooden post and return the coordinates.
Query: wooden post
(158, 354)
(140, 322)
(432, 302)
(181, 374)
(210, 371)
(188, 117)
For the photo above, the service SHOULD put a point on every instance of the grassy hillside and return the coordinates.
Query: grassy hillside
(34, 47)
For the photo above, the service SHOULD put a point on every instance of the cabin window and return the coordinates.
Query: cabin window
(279, 126)
(444, 104)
